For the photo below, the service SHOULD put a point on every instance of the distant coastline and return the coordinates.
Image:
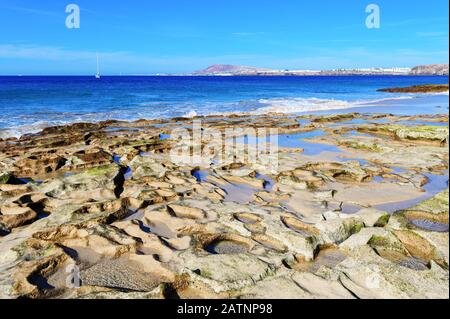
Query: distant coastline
(233, 70)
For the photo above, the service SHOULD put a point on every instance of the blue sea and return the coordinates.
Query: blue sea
(28, 104)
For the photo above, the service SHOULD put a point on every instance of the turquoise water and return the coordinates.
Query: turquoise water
(27, 104)
(296, 140)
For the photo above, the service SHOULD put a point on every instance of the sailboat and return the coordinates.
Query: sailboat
(97, 75)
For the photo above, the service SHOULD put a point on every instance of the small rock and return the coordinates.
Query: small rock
(335, 231)
(330, 215)
(363, 237)
(321, 287)
(293, 181)
(186, 212)
(270, 242)
(419, 247)
(14, 217)
(182, 243)
(373, 217)
(325, 195)
(231, 270)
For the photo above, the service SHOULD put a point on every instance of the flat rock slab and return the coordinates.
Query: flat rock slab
(230, 268)
(120, 274)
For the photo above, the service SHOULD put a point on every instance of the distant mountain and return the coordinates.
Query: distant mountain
(430, 69)
(226, 69)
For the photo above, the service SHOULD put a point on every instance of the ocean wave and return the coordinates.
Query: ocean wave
(32, 123)
(438, 93)
(190, 114)
(299, 105)
(21, 130)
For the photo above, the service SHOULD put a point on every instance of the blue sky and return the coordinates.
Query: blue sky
(175, 36)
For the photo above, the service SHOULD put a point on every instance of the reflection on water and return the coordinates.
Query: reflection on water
(436, 184)
(294, 141)
(430, 225)
(268, 182)
(116, 159)
(128, 173)
(398, 170)
(239, 193)
(163, 137)
(304, 122)
(112, 129)
(200, 175)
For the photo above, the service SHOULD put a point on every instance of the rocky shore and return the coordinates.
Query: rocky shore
(358, 208)
(429, 88)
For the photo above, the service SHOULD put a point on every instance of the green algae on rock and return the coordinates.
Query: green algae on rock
(428, 88)
(426, 133)
(432, 214)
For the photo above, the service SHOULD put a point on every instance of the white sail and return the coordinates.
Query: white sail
(97, 75)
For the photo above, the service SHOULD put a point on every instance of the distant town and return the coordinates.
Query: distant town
(233, 70)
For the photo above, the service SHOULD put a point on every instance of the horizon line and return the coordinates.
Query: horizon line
(210, 75)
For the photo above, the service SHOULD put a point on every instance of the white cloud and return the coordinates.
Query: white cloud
(37, 52)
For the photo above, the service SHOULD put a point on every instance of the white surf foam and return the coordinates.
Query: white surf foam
(299, 105)
(190, 114)
(18, 131)
(438, 93)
